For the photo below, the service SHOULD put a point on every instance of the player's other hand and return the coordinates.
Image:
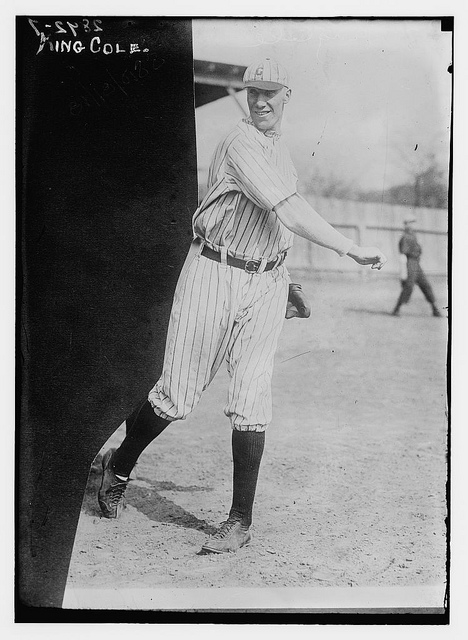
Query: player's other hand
(367, 255)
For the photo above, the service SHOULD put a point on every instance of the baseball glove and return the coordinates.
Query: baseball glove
(298, 306)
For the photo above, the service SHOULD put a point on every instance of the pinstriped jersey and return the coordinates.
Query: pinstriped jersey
(250, 173)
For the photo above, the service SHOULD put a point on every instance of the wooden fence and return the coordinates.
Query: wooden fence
(374, 224)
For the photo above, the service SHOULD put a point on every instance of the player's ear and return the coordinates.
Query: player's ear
(287, 96)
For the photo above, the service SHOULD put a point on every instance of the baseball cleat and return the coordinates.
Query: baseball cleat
(112, 489)
(230, 537)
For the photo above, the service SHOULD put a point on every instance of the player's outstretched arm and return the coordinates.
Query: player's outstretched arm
(299, 217)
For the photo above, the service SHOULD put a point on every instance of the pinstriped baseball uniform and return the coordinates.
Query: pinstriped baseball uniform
(221, 312)
(250, 173)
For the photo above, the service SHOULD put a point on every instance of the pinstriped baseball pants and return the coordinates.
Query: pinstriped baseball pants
(222, 313)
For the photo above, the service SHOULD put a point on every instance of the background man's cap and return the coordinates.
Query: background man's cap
(409, 219)
(266, 74)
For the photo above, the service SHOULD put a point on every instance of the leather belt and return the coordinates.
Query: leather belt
(250, 266)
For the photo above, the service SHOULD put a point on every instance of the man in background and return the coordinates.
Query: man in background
(411, 272)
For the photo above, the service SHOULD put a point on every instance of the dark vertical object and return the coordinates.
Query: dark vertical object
(106, 180)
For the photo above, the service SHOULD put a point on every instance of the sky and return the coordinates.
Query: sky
(371, 99)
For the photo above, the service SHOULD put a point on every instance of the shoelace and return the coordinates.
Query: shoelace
(116, 492)
(225, 529)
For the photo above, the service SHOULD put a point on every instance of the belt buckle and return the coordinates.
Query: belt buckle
(256, 266)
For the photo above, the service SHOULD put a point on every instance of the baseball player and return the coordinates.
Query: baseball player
(411, 272)
(231, 300)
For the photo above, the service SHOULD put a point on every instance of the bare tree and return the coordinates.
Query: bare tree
(329, 185)
(426, 170)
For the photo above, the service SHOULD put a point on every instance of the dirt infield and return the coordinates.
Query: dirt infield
(353, 480)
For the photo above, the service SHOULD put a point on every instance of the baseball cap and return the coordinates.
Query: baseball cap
(410, 219)
(266, 74)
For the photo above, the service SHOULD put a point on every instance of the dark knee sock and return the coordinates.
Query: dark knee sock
(143, 426)
(247, 451)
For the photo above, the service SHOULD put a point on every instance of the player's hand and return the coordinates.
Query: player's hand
(367, 255)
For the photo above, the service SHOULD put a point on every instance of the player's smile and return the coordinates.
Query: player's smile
(266, 107)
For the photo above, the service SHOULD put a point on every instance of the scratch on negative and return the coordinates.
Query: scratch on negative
(298, 356)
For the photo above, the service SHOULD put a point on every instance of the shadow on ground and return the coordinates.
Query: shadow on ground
(375, 312)
(380, 312)
(143, 495)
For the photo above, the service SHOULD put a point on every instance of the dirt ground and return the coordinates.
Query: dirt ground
(353, 480)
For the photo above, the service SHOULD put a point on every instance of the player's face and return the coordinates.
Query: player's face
(266, 107)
